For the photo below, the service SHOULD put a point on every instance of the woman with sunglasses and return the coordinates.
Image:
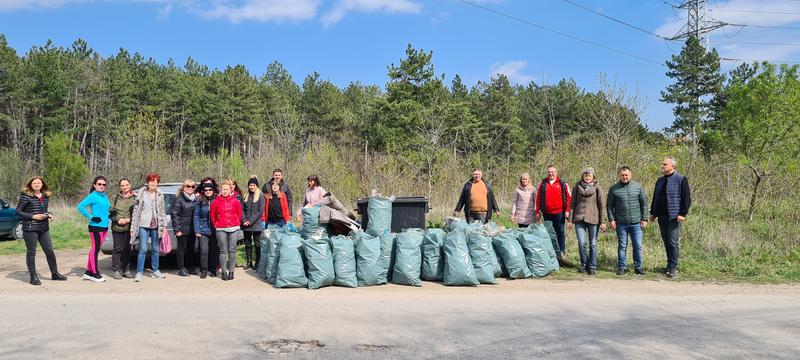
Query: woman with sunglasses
(95, 207)
(182, 214)
(203, 232)
(149, 221)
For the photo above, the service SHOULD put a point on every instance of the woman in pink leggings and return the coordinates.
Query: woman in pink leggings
(95, 208)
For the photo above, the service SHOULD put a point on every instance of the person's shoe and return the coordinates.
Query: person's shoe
(116, 275)
(127, 274)
(581, 270)
(157, 274)
(35, 280)
(94, 278)
(590, 271)
(224, 276)
(212, 273)
(230, 275)
(193, 271)
(87, 277)
(58, 277)
(620, 272)
(182, 272)
(672, 273)
(98, 278)
(639, 271)
(203, 274)
(138, 277)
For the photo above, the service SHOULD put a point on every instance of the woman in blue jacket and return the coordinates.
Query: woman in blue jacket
(202, 225)
(95, 208)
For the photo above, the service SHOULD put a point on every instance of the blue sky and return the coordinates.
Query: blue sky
(349, 40)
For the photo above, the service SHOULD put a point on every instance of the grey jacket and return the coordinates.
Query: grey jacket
(627, 203)
(252, 212)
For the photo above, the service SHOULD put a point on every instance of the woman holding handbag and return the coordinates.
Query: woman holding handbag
(95, 207)
(149, 221)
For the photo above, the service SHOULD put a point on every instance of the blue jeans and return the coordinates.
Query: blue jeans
(558, 225)
(279, 223)
(145, 233)
(581, 230)
(635, 232)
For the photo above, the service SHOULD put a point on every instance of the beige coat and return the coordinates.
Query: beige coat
(588, 206)
(524, 205)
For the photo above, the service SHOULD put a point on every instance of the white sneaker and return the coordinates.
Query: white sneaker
(138, 277)
(157, 274)
(92, 278)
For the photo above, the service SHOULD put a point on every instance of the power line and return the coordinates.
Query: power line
(573, 37)
(768, 26)
(614, 19)
(757, 11)
(756, 43)
(758, 61)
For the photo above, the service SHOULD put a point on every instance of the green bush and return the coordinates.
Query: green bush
(64, 168)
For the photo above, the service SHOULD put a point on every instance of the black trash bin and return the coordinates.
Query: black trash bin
(407, 212)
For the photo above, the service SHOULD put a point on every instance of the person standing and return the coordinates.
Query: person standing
(149, 222)
(553, 205)
(203, 231)
(252, 226)
(277, 206)
(226, 218)
(95, 207)
(587, 207)
(314, 193)
(672, 199)
(32, 209)
(277, 176)
(627, 211)
(121, 212)
(522, 210)
(477, 199)
(182, 215)
(213, 247)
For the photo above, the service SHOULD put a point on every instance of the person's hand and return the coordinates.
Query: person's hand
(681, 218)
(455, 213)
(179, 233)
(497, 213)
(513, 215)
(614, 225)
(39, 217)
(569, 225)
(197, 235)
(538, 217)
(566, 215)
(247, 223)
(49, 216)
(603, 227)
(643, 224)
(651, 218)
(96, 219)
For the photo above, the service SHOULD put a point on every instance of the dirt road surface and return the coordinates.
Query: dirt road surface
(191, 318)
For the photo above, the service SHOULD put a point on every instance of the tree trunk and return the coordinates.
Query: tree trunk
(754, 195)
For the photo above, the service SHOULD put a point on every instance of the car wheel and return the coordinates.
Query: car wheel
(18, 231)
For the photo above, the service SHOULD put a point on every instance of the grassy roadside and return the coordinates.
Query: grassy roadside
(714, 248)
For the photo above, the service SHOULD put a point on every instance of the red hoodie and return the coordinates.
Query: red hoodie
(553, 197)
(225, 212)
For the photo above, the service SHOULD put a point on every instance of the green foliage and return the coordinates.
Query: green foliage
(64, 168)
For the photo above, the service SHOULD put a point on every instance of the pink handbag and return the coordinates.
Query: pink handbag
(165, 245)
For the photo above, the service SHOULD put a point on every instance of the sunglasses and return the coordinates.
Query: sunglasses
(207, 190)
(101, 184)
(189, 186)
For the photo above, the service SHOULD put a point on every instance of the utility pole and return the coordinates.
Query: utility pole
(698, 23)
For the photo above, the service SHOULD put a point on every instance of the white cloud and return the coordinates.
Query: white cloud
(341, 7)
(164, 12)
(263, 10)
(513, 71)
(721, 39)
(6, 5)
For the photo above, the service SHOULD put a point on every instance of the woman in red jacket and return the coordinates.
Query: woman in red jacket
(226, 217)
(276, 210)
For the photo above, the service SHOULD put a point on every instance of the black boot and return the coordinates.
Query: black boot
(203, 274)
(58, 277)
(35, 280)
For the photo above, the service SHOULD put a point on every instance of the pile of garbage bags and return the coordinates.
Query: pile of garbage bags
(461, 254)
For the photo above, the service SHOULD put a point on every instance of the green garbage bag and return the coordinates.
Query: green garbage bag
(379, 212)
(344, 261)
(273, 253)
(408, 258)
(454, 223)
(387, 254)
(264, 256)
(291, 272)
(368, 254)
(553, 249)
(458, 269)
(320, 262)
(311, 224)
(433, 255)
(510, 251)
(533, 244)
(482, 256)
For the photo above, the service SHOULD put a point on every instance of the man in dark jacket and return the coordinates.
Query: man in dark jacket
(182, 214)
(671, 202)
(477, 199)
(277, 175)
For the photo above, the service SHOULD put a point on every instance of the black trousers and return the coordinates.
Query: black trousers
(252, 241)
(121, 254)
(670, 234)
(186, 251)
(213, 252)
(43, 238)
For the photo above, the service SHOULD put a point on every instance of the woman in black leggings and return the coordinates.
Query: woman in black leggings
(32, 209)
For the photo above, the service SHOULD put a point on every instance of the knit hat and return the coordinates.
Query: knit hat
(588, 170)
(208, 186)
(253, 180)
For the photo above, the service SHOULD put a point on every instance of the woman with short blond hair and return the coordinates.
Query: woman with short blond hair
(522, 210)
